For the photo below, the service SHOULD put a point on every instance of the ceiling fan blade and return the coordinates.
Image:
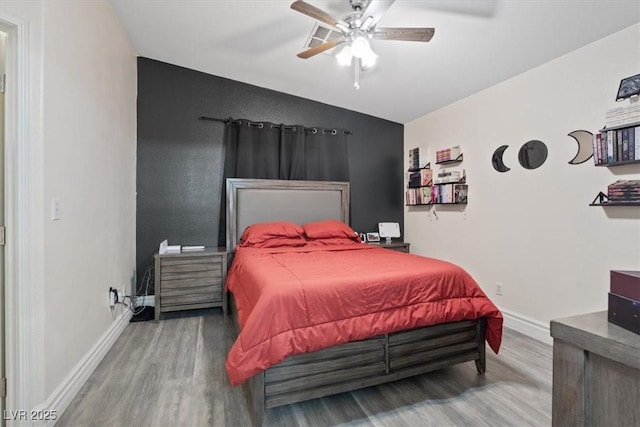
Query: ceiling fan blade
(375, 10)
(318, 14)
(404, 34)
(320, 48)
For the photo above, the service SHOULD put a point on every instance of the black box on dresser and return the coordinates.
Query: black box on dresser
(624, 300)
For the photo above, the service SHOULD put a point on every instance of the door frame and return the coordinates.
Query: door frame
(19, 214)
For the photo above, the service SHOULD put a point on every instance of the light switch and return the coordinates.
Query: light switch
(55, 209)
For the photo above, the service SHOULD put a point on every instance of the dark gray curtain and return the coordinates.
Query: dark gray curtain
(276, 151)
(325, 155)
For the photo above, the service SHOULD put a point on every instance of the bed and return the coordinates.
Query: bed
(343, 330)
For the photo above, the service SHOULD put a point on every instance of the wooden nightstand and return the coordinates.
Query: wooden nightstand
(394, 246)
(190, 280)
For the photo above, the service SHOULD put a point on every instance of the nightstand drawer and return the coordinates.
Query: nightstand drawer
(203, 289)
(197, 296)
(188, 267)
(198, 274)
(190, 282)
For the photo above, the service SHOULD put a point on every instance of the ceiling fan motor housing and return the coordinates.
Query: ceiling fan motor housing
(359, 5)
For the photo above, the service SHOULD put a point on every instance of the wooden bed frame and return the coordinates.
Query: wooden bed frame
(352, 365)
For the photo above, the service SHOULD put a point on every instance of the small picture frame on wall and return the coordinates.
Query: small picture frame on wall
(373, 237)
(629, 87)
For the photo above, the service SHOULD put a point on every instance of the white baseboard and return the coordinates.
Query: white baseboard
(62, 396)
(532, 328)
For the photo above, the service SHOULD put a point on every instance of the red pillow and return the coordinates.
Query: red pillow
(261, 232)
(329, 229)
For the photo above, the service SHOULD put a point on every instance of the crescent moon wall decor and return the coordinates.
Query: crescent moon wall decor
(497, 161)
(584, 139)
(532, 154)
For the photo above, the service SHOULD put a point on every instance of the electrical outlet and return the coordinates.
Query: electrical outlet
(498, 288)
(113, 295)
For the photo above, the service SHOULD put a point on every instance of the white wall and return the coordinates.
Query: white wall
(532, 230)
(82, 127)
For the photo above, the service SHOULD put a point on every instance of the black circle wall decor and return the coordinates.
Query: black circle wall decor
(532, 154)
(497, 160)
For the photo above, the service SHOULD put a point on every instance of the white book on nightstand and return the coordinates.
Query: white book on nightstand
(193, 248)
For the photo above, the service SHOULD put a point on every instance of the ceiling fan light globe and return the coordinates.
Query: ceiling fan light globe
(369, 60)
(344, 57)
(360, 47)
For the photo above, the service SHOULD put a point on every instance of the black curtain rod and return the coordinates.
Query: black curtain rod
(215, 119)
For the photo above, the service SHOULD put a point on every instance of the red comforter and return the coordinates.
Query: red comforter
(298, 300)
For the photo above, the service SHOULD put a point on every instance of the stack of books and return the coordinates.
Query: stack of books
(420, 178)
(415, 180)
(447, 177)
(442, 193)
(624, 299)
(414, 159)
(620, 116)
(619, 145)
(418, 196)
(624, 191)
(448, 154)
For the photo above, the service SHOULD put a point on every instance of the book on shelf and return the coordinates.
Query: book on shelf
(414, 158)
(442, 193)
(447, 177)
(625, 144)
(595, 146)
(460, 193)
(624, 191)
(610, 135)
(420, 178)
(632, 143)
(618, 154)
(448, 154)
(618, 145)
(625, 115)
(426, 176)
(418, 196)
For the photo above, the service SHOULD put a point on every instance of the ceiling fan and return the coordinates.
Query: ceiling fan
(357, 29)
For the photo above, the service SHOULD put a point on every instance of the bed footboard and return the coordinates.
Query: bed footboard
(360, 364)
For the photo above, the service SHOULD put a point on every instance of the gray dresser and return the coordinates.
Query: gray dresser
(190, 280)
(596, 372)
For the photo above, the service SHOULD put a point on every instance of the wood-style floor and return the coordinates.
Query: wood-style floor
(172, 374)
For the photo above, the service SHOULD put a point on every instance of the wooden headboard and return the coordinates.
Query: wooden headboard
(250, 201)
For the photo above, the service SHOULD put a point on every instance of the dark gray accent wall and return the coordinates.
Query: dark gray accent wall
(180, 158)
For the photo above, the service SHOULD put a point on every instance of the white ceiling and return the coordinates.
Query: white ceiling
(477, 44)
